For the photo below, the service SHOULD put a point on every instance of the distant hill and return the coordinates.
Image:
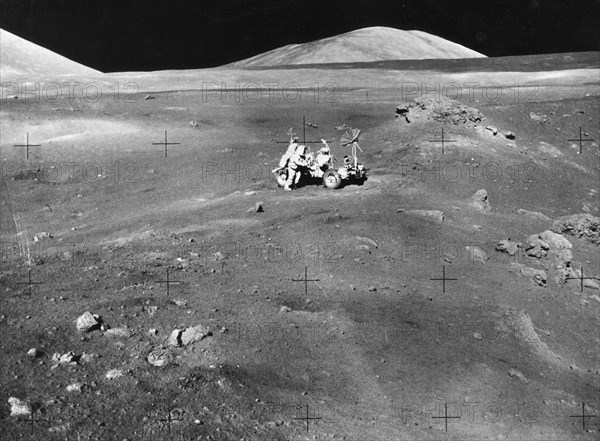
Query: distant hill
(363, 45)
(23, 60)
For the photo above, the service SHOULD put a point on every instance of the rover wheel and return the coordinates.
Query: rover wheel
(332, 179)
(281, 177)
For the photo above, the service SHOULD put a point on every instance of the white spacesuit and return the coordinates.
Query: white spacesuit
(295, 164)
(323, 157)
(283, 162)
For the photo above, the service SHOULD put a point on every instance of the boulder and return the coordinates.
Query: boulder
(480, 201)
(536, 247)
(194, 334)
(443, 110)
(555, 241)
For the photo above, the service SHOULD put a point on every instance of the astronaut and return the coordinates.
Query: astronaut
(295, 164)
(323, 157)
(283, 162)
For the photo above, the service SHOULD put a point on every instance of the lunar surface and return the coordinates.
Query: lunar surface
(157, 283)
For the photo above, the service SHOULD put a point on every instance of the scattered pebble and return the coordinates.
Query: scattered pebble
(113, 374)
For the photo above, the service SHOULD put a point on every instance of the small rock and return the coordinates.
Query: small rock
(33, 353)
(61, 428)
(75, 387)
(492, 129)
(151, 310)
(149, 97)
(519, 375)
(179, 302)
(118, 332)
(537, 117)
(536, 214)
(507, 246)
(364, 248)
(152, 332)
(476, 254)
(538, 276)
(591, 283)
(258, 208)
(41, 236)
(372, 288)
(88, 322)
(367, 240)
(193, 123)
(431, 214)
(67, 358)
(284, 309)
(114, 373)
(19, 407)
(87, 358)
(509, 135)
(477, 336)
(175, 338)
(159, 357)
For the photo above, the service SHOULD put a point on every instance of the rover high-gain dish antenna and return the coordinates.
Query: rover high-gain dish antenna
(351, 138)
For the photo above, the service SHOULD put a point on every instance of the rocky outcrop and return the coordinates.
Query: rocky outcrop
(580, 225)
(441, 110)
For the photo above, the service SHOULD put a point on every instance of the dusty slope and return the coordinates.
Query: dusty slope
(375, 345)
(21, 60)
(368, 44)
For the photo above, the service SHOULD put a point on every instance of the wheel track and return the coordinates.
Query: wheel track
(10, 224)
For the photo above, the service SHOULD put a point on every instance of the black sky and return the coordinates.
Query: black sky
(120, 35)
